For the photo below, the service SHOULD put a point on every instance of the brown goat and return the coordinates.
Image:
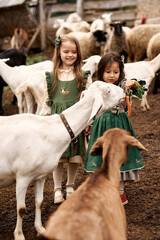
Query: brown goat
(95, 211)
(19, 39)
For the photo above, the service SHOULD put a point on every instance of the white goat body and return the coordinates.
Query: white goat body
(72, 18)
(95, 211)
(143, 70)
(36, 143)
(97, 24)
(14, 76)
(66, 27)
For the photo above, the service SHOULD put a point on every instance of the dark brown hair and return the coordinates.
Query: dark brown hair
(77, 65)
(109, 58)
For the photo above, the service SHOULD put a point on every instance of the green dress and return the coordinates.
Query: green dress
(64, 96)
(115, 118)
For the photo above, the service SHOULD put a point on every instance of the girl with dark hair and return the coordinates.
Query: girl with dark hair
(111, 70)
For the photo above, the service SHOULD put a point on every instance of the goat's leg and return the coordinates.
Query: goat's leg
(39, 107)
(29, 101)
(39, 186)
(144, 104)
(20, 103)
(21, 189)
(24, 104)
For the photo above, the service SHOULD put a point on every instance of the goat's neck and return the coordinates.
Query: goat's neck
(114, 174)
(91, 67)
(5, 72)
(111, 166)
(155, 63)
(79, 114)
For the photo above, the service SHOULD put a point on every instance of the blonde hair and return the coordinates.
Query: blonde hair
(77, 65)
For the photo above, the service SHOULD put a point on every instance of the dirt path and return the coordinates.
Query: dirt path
(143, 209)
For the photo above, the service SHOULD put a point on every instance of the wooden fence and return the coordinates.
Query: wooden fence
(122, 10)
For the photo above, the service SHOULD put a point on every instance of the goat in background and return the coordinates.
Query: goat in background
(19, 39)
(94, 211)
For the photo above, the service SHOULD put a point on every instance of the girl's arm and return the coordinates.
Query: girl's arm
(130, 83)
(46, 110)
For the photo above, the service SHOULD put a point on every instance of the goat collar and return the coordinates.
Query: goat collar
(71, 133)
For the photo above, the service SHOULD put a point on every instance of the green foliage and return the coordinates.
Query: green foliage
(36, 58)
(138, 89)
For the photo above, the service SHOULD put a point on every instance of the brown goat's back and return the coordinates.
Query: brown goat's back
(95, 211)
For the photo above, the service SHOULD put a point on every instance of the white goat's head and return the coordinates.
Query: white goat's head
(106, 96)
(91, 63)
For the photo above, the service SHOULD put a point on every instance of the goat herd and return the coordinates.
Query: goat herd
(33, 144)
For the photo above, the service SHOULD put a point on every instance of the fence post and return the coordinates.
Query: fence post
(79, 8)
(42, 24)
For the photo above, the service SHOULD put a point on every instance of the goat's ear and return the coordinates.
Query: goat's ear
(5, 60)
(111, 24)
(97, 105)
(85, 60)
(97, 147)
(132, 141)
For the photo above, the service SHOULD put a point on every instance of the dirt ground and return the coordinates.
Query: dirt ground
(143, 209)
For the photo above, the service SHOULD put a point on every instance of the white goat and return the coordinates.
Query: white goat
(95, 211)
(66, 27)
(36, 143)
(72, 18)
(97, 24)
(14, 76)
(91, 64)
(143, 70)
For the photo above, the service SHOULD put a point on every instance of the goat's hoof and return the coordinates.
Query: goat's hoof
(40, 231)
(69, 192)
(58, 199)
(144, 109)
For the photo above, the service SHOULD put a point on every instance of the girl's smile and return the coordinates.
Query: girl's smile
(68, 53)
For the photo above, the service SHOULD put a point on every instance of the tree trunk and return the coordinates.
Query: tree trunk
(79, 8)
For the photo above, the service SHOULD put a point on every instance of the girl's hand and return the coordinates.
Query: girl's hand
(87, 131)
(131, 83)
